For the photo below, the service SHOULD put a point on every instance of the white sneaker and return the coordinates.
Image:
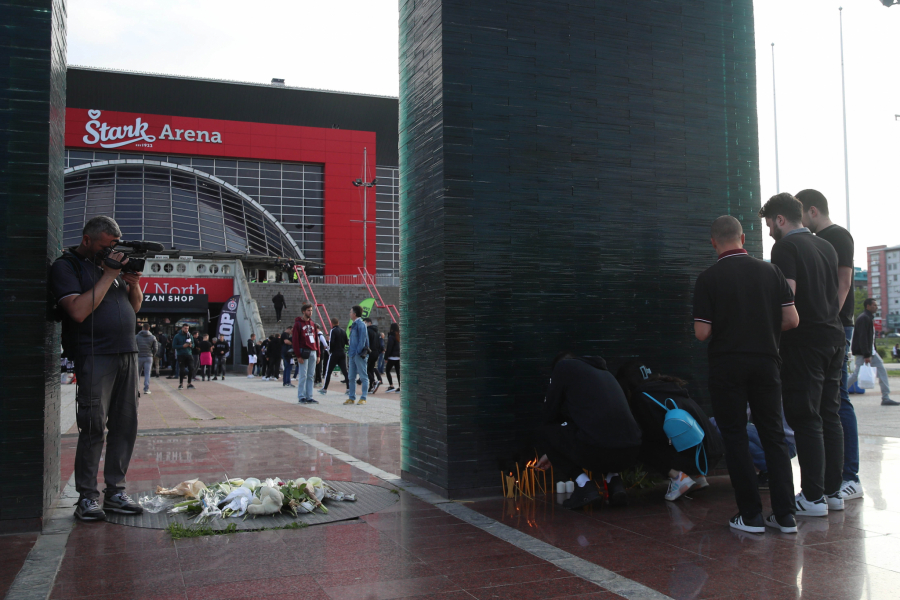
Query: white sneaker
(805, 508)
(851, 490)
(835, 501)
(700, 483)
(678, 486)
(265, 378)
(250, 376)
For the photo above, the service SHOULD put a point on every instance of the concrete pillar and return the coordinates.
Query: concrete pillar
(561, 163)
(32, 123)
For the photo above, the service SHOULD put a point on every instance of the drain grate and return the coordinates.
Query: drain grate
(370, 499)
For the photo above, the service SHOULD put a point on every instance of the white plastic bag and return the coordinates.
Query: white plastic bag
(867, 377)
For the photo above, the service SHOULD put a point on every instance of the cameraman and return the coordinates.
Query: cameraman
(100, 303)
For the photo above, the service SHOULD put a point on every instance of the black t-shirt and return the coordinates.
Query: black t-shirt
(742, 297)
(205, 346)
(813, 263)
(842, 241)
(222, 348)
(113, 321)
(196, 349)
(285, 336)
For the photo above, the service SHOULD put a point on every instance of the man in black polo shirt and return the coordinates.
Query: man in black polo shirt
(744, 304)
(815, 217)
(811, 354)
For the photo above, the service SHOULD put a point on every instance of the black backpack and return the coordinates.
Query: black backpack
(56, 313)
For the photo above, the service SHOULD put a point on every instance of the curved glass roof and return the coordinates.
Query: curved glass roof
(175, 205)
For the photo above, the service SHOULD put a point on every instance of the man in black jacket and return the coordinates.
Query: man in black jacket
(587, 425)
(374, 376)
(863, 349)
(279, 303)
(337, 355)
(220, 352)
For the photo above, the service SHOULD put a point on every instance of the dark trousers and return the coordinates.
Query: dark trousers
(287, 370)
(735, 381)
(339, 361)
(811, 385)
(277, 314)
(107, 398)
(392, 364)
(196, 358)
(370, 369)
(274, 366)
(219, 366)
(321, 365)
(185, 365)
(848, 422)
(570, 456)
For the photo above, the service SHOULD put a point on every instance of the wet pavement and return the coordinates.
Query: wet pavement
(415, 549)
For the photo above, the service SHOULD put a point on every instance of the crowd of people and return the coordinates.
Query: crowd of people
(778, 333)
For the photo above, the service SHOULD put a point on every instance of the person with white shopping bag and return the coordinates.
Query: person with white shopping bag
(863, 349)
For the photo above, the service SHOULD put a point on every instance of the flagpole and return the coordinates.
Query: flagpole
(844, 101)
(775, 113)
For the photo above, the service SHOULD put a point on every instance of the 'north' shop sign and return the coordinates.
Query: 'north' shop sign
(174, 303)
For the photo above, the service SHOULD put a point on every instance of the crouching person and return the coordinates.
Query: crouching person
(649, 396)
(587, 425)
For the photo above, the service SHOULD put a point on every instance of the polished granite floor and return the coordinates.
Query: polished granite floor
(684, 549)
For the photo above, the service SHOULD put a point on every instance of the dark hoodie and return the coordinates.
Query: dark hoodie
(585, 395)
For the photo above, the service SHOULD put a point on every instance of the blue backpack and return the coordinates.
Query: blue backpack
(683, 431)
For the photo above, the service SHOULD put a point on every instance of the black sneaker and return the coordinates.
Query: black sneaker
(582, 496)
(283, 384)
(311, 401)
(303, 401)
(787, 523)
(216, 378)
(180, 386)
(762, 480)
(88, 509)
(753, 525)
(617, 494)
(191, 386)
(122, 503)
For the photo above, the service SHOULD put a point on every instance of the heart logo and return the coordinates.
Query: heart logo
(94, 114)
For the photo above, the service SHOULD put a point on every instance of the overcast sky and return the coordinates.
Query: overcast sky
(351, 45)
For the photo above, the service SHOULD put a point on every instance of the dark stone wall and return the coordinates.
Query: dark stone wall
(561, 163)
(32, 123)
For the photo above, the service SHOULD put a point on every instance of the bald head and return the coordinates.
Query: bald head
(726, 230)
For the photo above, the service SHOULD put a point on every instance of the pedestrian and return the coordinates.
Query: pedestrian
(287, 357)
(392, 356)
(147, 347)
(251, 355)
(864, 353)
(587, 426)
(170, 359)
(815, 217)
(160, 349)
(220, 353)
(206, 359)
(811, 355)
(305, 336)
(742, 305)
(183, 343)
(336, 355)
(372, 359)
(195, 352)
(358, 351)
(324, 353)
(99, 304)
(274, 357)
(279, 303)
(895, 352)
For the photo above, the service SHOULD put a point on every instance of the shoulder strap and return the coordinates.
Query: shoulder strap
(661, 405)
(700, 449)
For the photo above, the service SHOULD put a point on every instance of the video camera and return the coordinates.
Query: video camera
(136, 258)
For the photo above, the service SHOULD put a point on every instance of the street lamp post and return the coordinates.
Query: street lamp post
(775, 113)
(365, 185)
